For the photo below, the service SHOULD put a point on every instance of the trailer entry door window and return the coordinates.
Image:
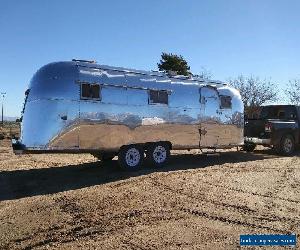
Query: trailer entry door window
(225, 102)
(90, 91)
(158, 96)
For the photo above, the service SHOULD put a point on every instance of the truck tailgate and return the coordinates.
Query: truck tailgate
(254, 128)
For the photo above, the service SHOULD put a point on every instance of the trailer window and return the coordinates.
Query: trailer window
(225, 102)
(90, 91)
(158, 96)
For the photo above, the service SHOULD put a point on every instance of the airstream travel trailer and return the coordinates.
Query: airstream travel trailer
(83, 107)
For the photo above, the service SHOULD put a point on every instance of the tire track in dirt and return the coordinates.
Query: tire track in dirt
(135, 245)
(281, 183)
(57, 234)
(285, 179)
(82, 227)
(241, 209)
(232, 221)
(267, 195)
(78, 223)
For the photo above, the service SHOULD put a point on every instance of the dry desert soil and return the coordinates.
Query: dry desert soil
(195, 202)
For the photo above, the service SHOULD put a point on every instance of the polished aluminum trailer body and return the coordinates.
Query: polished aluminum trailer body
(58, 118)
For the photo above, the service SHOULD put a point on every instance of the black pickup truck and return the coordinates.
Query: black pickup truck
(277, 126)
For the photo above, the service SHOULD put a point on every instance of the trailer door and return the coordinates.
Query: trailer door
(209, 127)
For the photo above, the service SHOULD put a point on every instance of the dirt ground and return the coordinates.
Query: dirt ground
(196, 202)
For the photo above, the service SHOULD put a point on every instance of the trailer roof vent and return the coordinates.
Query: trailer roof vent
(216, 82)
(85, 61)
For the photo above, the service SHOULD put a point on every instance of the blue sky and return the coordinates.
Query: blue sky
(228, 37)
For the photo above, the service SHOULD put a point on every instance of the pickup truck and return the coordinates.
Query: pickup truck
(277, 126)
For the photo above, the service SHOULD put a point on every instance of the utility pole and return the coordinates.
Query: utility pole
(3, 96)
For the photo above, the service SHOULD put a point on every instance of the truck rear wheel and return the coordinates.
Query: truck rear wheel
(158, 154)
(131, 157)
(286, 145)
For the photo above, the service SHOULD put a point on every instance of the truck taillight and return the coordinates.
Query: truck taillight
(268, 127)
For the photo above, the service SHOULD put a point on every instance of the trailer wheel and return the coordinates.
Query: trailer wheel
(286, 145)
(249, 147)
(158, 154)
(131, 157)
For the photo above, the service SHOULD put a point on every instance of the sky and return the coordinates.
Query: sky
(227, 37)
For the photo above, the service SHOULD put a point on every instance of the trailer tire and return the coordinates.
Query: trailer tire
(131, 157)
(158, 154)
(286, 146)
(249, 147)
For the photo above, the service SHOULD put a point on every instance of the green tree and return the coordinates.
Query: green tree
(172, 62)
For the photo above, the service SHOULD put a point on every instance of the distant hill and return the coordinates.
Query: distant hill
(9, 118)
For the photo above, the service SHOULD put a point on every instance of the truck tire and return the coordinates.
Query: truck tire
(157, 154)
(286, 146)
(249, 147)
(131, 157)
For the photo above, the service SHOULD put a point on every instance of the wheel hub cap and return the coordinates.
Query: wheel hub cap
(159, 154)
(132, 157)
(288, 145)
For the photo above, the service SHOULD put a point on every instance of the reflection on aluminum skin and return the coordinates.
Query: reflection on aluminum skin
(57, 118)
